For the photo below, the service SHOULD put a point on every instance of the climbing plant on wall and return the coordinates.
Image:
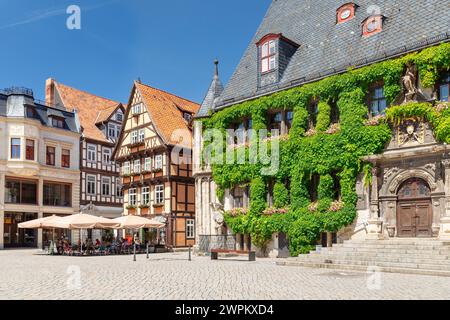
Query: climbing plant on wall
(329, 150)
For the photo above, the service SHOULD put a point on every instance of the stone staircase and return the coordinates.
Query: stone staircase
(414, 256)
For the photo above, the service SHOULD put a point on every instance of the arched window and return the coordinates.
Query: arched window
(345, 13)
(268, 50)
(414, 189)
(268, 56)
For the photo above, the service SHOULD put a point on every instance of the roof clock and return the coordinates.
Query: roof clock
(346, 12)
(372, 25)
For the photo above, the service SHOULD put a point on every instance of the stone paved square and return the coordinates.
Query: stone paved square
(27, 276)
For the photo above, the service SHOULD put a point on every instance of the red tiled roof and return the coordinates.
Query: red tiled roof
(164, 109)
(91, 109)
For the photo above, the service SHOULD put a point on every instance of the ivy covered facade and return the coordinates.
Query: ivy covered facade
(363, 151)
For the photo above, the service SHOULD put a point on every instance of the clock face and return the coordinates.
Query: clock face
(372, 26)
(345, 14)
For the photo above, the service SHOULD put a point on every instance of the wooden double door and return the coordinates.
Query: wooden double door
(414, 210)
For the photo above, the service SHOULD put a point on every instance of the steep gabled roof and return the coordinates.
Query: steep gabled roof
(164, 109)
(327, 48)
(214, 91)
(105, 115)
(91, 109)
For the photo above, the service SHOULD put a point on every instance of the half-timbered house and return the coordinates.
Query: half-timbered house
(101, 122)
(154, 151)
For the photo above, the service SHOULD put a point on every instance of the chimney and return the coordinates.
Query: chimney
(50, 92)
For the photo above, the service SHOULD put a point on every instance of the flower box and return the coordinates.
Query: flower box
(336, 206)
(273, 211)
(334, 128)
(311, 133)
(237, 212)
(313, 207)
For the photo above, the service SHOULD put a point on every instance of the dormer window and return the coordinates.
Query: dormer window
(372, 25)
(187, 116)
(57, 122)
(272, 49)
(268, 56)
(345, 13)
(31, 112)
(119, 116)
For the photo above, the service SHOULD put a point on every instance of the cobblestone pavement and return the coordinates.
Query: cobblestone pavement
(25, 275)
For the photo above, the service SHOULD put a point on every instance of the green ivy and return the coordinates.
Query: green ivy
(323, 118)
(325, 154)
(280, 195)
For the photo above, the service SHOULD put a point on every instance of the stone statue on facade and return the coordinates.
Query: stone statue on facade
(409, 82)
(218, 214)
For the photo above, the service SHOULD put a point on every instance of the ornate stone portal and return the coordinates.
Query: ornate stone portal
(413, 162)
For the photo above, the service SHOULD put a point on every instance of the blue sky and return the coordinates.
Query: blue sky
(169, 44)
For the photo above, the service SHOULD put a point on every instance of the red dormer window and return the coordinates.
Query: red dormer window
(345, 13)
(372, 25)
(268, 52)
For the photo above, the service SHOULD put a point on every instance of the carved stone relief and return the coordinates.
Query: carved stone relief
(389, 172)
(410, 132)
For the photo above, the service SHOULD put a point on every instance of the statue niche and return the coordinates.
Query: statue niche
(412, 131)
(410, 90)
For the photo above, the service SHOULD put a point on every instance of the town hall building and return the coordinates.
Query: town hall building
(361, 77)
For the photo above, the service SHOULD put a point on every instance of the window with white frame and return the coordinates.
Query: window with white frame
(106, 186)
(134, 137)
(112, 131)
(91, 182)
(268, 56)
(137, 166)
(159, 161)
(15, 148)
(148, 164)
(190, 228)
(159, 194)
(119, 191)
(106, 155)
(126, 168)
(145, 195)
(119, 116)
(132, 197)
(118, 129)
(137, 108)
(91, 153)
(142, 135)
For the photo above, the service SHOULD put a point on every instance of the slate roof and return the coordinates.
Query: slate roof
(327, 48)
(215, 90)
(91, 109)
(165, 110)
(43, 112)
